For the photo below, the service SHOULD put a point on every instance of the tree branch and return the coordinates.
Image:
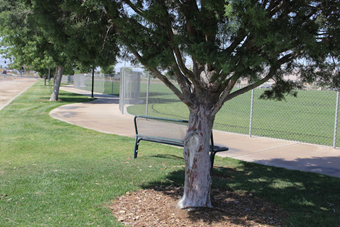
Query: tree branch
(177, 52)
(183, 82)
(133, 7)
(157, 73)
(182, 66)
(178, 56)
(251, 86)
(226, 96)
(184, 98)
(242, 35)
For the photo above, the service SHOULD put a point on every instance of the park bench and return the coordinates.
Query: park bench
(167, 131)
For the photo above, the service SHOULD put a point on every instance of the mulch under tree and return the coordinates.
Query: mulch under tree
(157, 207)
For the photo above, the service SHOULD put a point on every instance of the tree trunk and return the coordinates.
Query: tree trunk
(198, 181)
(58, 74)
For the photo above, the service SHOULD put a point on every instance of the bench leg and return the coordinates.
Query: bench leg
(212, 158)
(135, 152)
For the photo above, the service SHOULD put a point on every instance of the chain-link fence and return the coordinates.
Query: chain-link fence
(312, 117)
(103, 83)
(129, 88)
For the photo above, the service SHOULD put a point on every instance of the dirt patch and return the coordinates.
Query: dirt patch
(157, 207)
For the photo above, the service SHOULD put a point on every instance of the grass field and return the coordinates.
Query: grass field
(56, 174)
(308, 118)
(103, 86)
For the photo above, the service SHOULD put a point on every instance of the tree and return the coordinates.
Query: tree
(79, 29)
(22, 43)
(226, 41)
(108, 69)
(35, 33)
(26, 43)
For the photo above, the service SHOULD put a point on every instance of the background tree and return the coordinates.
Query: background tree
(80, 29)
(108, 70)
(26, 43)
(36, 33)
(22, 44)
(226, 41)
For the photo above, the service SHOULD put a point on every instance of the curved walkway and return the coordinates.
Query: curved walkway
(104, 115)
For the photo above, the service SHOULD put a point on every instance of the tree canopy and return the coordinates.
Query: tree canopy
(229, 40)
(80, 29)
(24, 44)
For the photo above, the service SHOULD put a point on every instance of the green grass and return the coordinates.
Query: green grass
(56, 174)
(103, 86)
(307, 118)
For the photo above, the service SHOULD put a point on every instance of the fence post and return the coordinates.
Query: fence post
(147, 95)
(112, 79)
(251, 112)
(49, 75)
(92, 87)
(104, 81)
(336, 119)
(122, 79)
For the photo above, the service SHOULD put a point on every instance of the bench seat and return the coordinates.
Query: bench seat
(166, 131)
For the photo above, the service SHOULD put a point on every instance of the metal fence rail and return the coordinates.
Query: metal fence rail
(103, 83)
(312, 117)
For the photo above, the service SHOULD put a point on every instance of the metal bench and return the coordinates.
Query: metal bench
(167, 131)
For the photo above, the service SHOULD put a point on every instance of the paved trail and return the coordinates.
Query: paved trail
(11, 86)
(103, 115)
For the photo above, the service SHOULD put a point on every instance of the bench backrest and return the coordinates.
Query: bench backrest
(161, 127)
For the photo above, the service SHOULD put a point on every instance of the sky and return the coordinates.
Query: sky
(2, 61)
(119, 65)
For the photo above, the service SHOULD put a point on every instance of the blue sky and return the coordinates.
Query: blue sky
(2, 62)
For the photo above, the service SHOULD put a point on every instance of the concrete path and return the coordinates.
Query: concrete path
(104, 115)
(11, 87)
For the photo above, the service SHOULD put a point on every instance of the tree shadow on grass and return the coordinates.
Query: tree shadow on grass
(73, 98)
(310, 199)
(228, 207)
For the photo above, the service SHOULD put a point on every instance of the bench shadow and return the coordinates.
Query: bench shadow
(167, 156)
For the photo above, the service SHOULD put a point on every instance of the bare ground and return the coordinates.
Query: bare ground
(157, 207)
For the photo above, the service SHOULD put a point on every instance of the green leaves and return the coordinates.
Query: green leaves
(66, 32)
(223, 39)
(280, 89)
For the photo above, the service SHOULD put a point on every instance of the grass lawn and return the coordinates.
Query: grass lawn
(103, 86)
(307, 118)
(53, 173)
